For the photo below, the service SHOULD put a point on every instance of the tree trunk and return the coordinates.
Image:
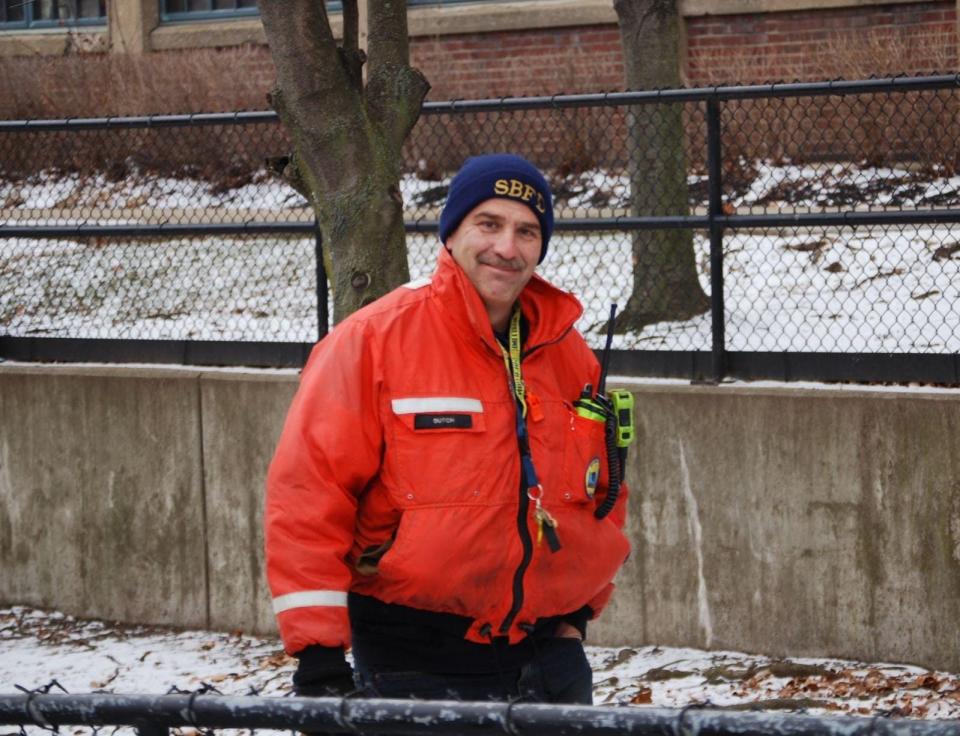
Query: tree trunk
(348, 137)
(665, 283)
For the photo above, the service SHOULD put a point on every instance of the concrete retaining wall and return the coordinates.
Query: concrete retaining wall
(136, 494)
(821, 521)
(786, 521)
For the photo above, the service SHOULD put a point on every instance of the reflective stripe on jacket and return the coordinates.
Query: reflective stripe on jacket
(397, 474)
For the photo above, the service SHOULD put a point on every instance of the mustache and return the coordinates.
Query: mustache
(489, 259)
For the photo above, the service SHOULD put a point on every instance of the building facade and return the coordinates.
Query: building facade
(74, 57)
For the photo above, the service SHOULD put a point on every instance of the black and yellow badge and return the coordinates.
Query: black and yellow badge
(592, 477)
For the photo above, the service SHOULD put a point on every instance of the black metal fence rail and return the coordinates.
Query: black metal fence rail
(155, 715)
(140, 121)
(714, 364)
(677, 222)
(497, 104)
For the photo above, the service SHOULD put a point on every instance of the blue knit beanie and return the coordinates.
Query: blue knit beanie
(502, 176)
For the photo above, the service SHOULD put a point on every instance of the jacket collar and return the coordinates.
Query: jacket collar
(551, 312)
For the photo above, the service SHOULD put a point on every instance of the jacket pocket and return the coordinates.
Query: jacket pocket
(440, 449)
(584, 461)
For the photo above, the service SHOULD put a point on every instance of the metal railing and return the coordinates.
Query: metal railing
(877, 138)
(154, 715)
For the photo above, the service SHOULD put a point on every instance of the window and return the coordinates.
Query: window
(211, 9)
(200, 9)
(413, 3)
(51, 13)
(174, 10)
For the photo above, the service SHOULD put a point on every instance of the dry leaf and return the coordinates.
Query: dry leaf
(280, 659)
(927, 681)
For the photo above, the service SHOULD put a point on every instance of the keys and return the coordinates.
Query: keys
(547, 527)
(546, 524)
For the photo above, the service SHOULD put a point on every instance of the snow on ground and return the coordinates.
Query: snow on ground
(780, 185)
(863, 290)
(37, 647)
(868, 289)
(49, 190)
(843, 184)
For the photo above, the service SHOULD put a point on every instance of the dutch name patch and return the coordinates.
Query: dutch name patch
(442, 421)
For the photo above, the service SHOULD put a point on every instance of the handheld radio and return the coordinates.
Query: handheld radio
(616, 411)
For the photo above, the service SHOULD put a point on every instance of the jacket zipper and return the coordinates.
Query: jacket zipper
(525, 540)
(527, 544)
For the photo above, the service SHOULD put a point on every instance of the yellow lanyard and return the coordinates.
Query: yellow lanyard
(511, 360)
(546, 524)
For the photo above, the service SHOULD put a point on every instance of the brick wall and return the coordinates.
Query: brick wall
(806, 45)
(850, 42)
(549, 61)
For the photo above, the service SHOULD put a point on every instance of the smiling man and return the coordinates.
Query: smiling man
(498, 247)
(431, 499)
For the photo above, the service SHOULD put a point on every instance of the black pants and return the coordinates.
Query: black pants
(559, 673)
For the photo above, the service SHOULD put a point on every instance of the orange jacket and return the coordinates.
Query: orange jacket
(357, 470)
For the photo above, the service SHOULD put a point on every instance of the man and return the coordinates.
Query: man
(431, 499)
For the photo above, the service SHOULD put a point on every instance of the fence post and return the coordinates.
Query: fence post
(715, 210)
(323, 315)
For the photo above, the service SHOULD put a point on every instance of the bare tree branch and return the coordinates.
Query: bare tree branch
(387, 42)
(395, 90)
(347, 139)
(353, 61)
(322, 104)
(351, 25)
(351, 55)
(298, 31)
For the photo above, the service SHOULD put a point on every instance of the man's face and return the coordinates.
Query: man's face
(497, 245)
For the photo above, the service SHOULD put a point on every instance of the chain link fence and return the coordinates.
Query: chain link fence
(737, 228)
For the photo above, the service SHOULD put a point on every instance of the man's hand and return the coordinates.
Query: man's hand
(322, 672)
(567, 631)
